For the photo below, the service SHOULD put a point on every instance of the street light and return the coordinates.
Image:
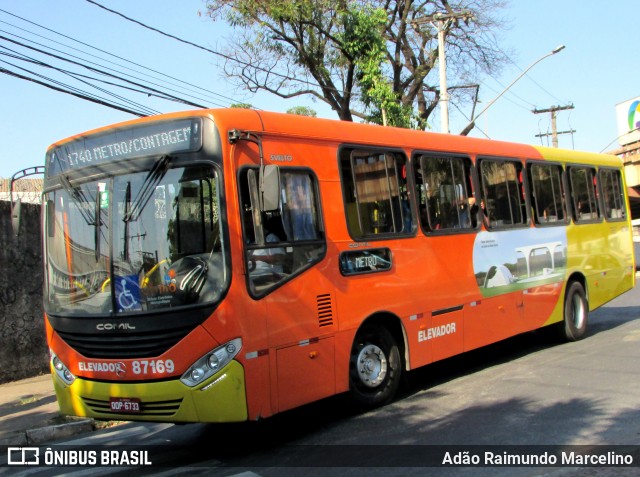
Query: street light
(472, 124)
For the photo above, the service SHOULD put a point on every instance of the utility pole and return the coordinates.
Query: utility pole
(442, 22)
(554, 128)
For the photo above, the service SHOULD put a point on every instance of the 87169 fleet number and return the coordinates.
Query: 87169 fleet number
(153, 366)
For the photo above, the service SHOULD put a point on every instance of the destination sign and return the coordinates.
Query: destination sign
(365, 261)
(168, 137)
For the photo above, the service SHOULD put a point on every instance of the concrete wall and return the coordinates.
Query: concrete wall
(23, 347)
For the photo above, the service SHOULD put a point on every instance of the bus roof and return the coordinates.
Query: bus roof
(282, 124)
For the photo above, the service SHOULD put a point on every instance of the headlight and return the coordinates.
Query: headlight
(61, 370)
(211, 363)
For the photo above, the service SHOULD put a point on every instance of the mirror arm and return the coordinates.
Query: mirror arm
(235, 135)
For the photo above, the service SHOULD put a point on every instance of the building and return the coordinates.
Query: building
(628, 118)
(27, 189)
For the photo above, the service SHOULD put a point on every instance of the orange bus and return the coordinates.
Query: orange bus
(228, 265)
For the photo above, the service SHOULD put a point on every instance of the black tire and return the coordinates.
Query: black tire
(576, 313)
(375, 367)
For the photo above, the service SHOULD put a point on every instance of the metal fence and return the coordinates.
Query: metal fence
(25, 188)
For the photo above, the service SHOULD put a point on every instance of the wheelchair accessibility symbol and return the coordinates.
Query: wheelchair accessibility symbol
(128, 293)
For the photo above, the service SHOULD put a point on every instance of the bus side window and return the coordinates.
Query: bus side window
(446, 196)
(583, 192)
(503, 192)
(282, 243)
(374, 185)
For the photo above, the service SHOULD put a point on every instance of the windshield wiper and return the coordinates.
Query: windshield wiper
(79, 198)
(127, 206)
(145, 192)
(97, 225)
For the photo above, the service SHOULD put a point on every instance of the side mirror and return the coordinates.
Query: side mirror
(15, 215)
(51, 218)
(269, 181)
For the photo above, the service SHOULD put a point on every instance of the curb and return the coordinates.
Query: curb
(48, 433)
(54, 432)
(58, 431)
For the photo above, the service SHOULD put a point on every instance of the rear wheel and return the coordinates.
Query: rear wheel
(375, 366)
(576, 313)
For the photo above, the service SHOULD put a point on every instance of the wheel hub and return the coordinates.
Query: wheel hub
(578, 311)
(372, 365)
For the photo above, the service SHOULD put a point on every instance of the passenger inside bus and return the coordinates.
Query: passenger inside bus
(298, 209)
(269, 260)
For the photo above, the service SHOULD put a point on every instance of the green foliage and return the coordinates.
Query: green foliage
(363, 40)
(242, 106)
(302, 111)
(364, 58)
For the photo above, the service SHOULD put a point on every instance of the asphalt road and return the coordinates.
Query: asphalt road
(527, 391)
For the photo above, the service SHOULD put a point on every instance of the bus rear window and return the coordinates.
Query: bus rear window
(612, 194)
(547, 193)
(583, 188)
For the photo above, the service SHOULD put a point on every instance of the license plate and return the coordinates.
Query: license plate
(125, 405)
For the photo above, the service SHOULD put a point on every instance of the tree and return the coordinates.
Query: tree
(242, 106)
(364, 41)
(302, 111)
(327, 49)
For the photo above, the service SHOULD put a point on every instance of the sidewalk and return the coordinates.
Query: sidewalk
(29, 414)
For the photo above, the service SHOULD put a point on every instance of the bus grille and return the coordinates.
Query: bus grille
(118, 345)
(147, 408)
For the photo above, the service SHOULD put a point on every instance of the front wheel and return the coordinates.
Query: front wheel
(576, 313)
(375, 367)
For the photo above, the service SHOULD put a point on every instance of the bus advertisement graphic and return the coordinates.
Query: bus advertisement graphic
(516, 260)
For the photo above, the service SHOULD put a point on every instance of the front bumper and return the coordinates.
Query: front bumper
(221, 398)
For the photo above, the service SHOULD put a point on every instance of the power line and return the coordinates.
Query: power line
(468, 119)
(506, 96)
(94, 63)
(198, 88)
(620, 136)
(142, 110)
(95, 70)
(529, 104)
(223, 97)
(85, 97)
(75, 76)
(512, 93)
(217, 53)
(535, 82)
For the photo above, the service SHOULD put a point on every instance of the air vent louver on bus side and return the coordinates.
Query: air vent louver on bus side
(325, 310)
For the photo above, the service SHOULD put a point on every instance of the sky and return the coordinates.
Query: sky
(597, 70)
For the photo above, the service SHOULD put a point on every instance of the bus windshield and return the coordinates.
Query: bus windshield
(148, 240)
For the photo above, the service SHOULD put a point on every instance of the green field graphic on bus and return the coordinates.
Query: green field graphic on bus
(507, 261)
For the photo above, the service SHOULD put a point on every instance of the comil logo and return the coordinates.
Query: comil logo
(23, 456)
(634, 115)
